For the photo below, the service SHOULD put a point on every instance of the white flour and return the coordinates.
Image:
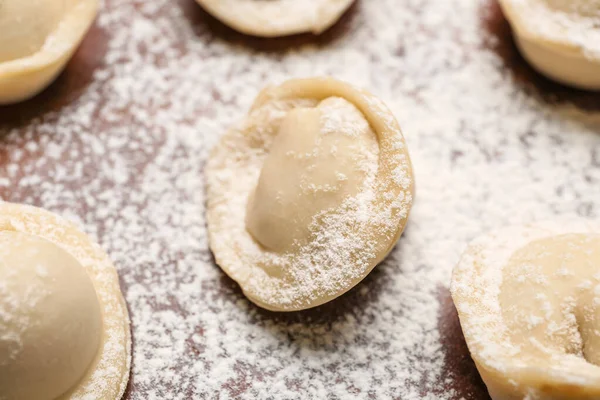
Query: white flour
(486, 150)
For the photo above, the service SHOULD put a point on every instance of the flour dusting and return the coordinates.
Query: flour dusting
(296, 246)
(125, 161)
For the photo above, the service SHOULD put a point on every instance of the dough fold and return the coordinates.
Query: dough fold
(38, 39)
(272, 18)
(308, 193)
(528, 299)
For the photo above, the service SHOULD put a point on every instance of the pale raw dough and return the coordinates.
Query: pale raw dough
(528, 299)
(64, 328)
(560, 38)
(38, 38)
(50, 320)
(308, 194)
(271, 18)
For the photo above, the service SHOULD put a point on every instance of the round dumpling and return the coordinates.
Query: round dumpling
(308, 194)
(64, 329)
(38, 38)
(560, 38)
(528, 299)
(49, 318)
(270, 18)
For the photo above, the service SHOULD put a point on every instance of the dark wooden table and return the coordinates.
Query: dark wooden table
(64, 94)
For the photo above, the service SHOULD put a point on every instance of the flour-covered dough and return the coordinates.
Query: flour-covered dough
(37, 39)
(528, 299)
(307, 194)
(64, 329)
(270, 18)
(560, 38)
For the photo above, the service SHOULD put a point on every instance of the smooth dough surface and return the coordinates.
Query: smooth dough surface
(307, 194)
(528, 299)
(38, 38)
(271, 18)
(50, 321)
(559, 38)
(66, 335)
(307, 172)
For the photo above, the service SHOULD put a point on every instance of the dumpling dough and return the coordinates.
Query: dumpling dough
(528, 299)
(64, 329)
(271, 18)
(560, 38)
(308, 194)
(38, 38)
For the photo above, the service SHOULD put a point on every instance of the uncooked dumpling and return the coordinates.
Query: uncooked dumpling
(528, 299)
(37, 39)
(560, 38)
(270, 18)
(64, 329)
(308, 194)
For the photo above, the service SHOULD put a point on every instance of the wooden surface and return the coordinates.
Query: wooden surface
(78, 74)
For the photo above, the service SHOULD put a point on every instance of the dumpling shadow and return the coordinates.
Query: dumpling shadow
(313, 328)
(67, 87)
(502, 43)
(459, 369)
(205, 24)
